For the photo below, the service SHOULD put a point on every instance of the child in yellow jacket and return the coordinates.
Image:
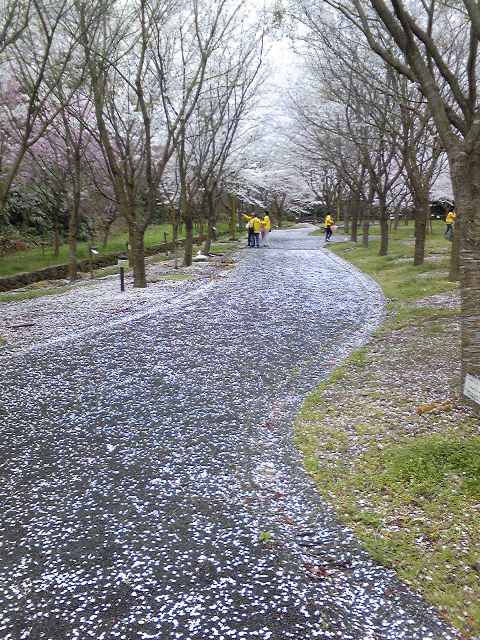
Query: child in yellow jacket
(249, 226)
(450, 221)
(253, 225)
(266, 226)
(257, 226)
(329, 222)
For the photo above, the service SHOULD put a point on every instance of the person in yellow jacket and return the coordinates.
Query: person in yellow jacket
(450, 221)
(257, 227)
(329, 222)
(254, 225)
(266, 226)
(249, 225)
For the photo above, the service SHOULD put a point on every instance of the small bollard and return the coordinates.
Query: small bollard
(122, 263)
(92, 251)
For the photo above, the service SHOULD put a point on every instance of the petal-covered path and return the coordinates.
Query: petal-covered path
(149, 484)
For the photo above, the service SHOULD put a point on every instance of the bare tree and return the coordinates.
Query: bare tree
(14, 18)
(410, 39)
(221, 110)
(38, 49)
(147, 64)
(422, 156)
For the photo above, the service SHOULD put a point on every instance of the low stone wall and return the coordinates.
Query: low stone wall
(59, 272)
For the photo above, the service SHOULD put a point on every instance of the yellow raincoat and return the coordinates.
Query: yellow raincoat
(257, 224)
(451, 217)
(329, 221)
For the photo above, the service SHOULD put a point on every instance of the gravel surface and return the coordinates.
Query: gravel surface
(150, 488)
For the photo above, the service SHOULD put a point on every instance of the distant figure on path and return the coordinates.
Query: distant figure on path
(266, 226)
(253, 226)
(450, 221)
(329, 222)
(251, 237)
(257, 225)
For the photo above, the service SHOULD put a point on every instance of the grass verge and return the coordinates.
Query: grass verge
(36, 258)
(38, 290)
(406, 481)
(400, 280)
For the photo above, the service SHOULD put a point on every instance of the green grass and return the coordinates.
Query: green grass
(403, 315)
(413, 504)
(426, 467)
(430, 486)
(265, 536)
(225, 247)
(412, 500)
(33, 260)
(395, 272)
(154, 238)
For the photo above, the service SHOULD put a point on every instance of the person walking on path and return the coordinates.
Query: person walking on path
(251, 237)
(257, 226)
(450, 221)
(329, 222)
(266, 226)
(254, 225)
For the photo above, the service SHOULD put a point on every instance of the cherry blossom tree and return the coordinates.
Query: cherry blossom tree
(147, 64)
(38, 52)
(69, 155)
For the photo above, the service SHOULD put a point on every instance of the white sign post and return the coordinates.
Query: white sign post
(471, 388)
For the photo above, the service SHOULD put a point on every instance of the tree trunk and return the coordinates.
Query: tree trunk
(175, 239)
(354, 218)
(137, 252)
(207, 244)
(367, 212)
(72, 241)
(366, 227)
(422, 209)
(338, 210)
(188, 247)
(56, 236)
(383, 229)
(278, 213)
(429, 227)
(454, 274)
(465, 170)
(106, 233)
(233, 218)
(211, 221)
(346, 220)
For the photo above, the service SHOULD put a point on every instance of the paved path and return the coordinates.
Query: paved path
(140, 464)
